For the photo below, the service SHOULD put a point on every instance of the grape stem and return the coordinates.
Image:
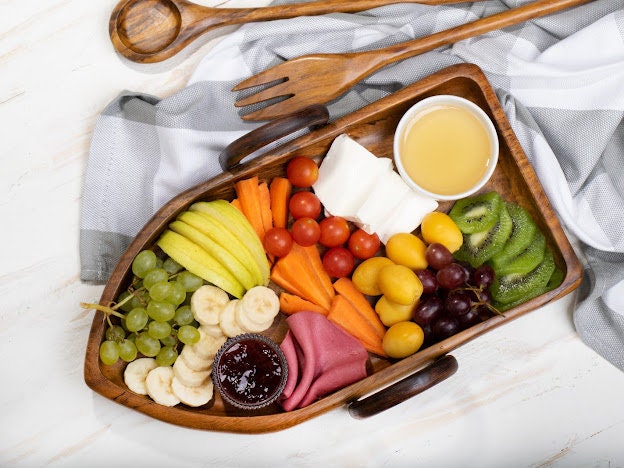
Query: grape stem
(107, 310)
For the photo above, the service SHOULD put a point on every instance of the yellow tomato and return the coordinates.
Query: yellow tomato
(439, 227)
(403, 339)
(400, 284)
(408, 250)
(366, 275)
(390, 312)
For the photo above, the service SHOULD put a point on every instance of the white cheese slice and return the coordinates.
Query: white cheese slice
(407, 216)
(347, 175)
(387, 193)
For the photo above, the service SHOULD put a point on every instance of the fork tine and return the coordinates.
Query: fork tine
(271, 112)
(271, 92)
(264, 77)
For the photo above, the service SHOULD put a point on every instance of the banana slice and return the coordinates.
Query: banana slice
(207, 302)
(260, 304)
(227, 320)
(248, 325)
(193, 396)
(136, 372)
(208, 345)
(158, 383)
(195, 361)
(213, 330)
(188, 376)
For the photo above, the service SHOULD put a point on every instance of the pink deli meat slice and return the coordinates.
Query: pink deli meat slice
(321, 358)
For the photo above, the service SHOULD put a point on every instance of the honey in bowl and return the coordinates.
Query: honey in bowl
(446, 147)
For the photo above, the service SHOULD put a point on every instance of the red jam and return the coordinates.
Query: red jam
(250, 371)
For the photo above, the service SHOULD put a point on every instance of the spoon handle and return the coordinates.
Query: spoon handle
(229, 16)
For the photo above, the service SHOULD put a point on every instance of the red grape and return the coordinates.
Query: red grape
(483, 276)
(438, 256)
(428, 280)
(457, 303)
(451, 276)
(445, 326)
(428, 309)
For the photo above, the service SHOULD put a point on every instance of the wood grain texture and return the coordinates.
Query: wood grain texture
(372, 126)
(148, 31)
(334, 74)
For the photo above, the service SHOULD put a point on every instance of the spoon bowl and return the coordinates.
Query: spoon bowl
(148, 35)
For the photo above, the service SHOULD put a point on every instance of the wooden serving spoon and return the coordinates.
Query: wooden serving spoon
(148, 31)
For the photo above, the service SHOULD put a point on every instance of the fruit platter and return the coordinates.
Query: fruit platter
(269, 264)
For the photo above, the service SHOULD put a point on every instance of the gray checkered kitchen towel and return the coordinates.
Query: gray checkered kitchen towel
(560, 80)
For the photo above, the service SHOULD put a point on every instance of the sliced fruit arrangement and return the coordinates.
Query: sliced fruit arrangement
(504, 236)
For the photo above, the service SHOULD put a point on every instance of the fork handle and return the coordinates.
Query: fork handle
(373, 60)
(311, 116)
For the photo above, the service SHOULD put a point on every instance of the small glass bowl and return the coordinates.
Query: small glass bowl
(452, 100)
(250, 371)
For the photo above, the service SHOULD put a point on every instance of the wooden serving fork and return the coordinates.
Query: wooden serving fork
(320, 78)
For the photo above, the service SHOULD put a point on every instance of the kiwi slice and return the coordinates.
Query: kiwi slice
(513, 289)
(479, 247)
(477, 213)
(525, 261)
(521, 236)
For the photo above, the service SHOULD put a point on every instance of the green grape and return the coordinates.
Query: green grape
(126, 306)
(139, 299)
(127, 350)
(190, 281)
(166, 356)
(170, 340)
(183, 315)
(147, 345)
(157, 275)
(158, 330)
(109, 352)
(160, 290)
(143, 263)
(131, 337)
(187, 301)
(177, 295)
(161, 311)
(171, 266)
(115, 333)
(188, 334)
(136, 319)
(159, 262)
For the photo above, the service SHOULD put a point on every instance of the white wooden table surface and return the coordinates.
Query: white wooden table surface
(527, 394)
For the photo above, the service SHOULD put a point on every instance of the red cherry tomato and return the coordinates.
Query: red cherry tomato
(364, 245)
(278, 242)
(305, 231)
(338, 262)
(304, 205)
(334, 231)
(302, 171)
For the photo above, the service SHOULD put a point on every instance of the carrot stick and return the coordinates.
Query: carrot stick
(280, 191)
(283, 282)
(265, 206)
(314, 257)
(294, 270)
(343, 314)
(291, 303)
(249, 197)
(236, 204)
(345, 287)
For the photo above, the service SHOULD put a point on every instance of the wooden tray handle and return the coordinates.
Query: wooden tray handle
(412, 385)
(312, 116)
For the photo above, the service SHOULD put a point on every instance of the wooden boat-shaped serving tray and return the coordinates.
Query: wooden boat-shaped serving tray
(372, 126)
